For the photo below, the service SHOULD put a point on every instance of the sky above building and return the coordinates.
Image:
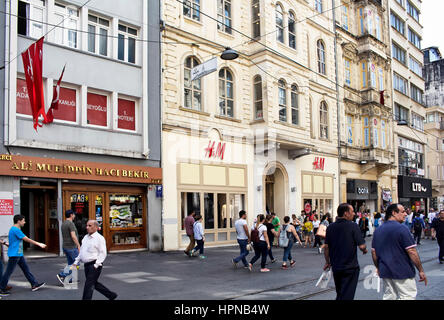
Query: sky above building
(432, 20)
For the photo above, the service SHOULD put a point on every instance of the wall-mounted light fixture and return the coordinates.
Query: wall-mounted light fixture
(293, 189)
(259, 188)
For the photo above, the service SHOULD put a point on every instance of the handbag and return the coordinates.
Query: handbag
(322, 231)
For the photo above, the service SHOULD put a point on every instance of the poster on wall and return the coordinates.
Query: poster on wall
(23, 104)
(126, 115)
(67, 105)
(97, 110)
(6, 204)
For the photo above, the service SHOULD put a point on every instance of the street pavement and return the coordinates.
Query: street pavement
(174, 276)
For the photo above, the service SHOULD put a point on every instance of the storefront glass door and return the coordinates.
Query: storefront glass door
(79, 203)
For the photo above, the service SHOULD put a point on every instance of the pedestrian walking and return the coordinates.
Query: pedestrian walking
(92, 255)
(15, 254)
(394, 255)
(271, 235)
(341, 241)
(189, 223)
(276, 223)
(417, 226)
(3, 243)
(70, 245)
(287, 237)
(243, 238)
(307, 229)
(377, 220)
(261, 243)
(363, 225)
(409, 219)
(438, 231)
(297, 225)
(324, 222)
(316, 224)
(199, 236)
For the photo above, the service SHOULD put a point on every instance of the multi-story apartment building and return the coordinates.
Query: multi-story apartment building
(408, 105)
(260, 132)
(101, 155)
(434, 126)
(367, 150)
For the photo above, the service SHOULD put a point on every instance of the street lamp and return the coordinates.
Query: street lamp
(402, 123)
(229, 54)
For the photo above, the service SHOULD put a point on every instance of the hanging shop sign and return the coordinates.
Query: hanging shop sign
(6, 204)
(414, 187)
(203, 69)
(23, 166)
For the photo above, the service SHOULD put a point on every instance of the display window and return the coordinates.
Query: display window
(126, 117)
(97, 109)
(23, 104)
(120, 212)
(67, 109)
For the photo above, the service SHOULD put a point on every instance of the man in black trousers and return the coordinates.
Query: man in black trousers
(92, 254)
(341, 241)
(438, 229)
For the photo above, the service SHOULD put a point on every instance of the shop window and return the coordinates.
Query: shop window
(126, 238)
(222, 211)
(98, 203)
(190, 201)
(80, 205)
(237, 203)
(209, 210)
(126, 211)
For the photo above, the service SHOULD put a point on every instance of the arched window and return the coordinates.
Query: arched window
(323, 120)
(279, 24)
(294, 105)
(292, 30)
(192, 89)
(321, 57)
(282, 100)
(258, 102)
(256, 18)
(226, 93)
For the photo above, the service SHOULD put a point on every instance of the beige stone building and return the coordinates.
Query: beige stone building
(368, 172)
(411, 148)
(260, 132)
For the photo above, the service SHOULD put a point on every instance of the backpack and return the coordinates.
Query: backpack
(283, 237)
(255, 235)
(417, 224)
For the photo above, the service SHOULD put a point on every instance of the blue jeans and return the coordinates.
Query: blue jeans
(200, 246)
(243, 252)
(287, 252)
(12, 263)
(71, 255)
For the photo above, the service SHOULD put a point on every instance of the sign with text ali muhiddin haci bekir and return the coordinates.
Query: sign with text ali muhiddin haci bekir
(204, 69)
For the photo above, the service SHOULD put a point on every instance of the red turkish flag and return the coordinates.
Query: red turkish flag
(32, 65)
(55, 100)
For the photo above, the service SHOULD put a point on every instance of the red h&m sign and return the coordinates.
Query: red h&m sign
(211, 152)
(318, 164)
(126, 114)
(97, 111)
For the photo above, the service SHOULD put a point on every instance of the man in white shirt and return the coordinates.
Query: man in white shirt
(92, 254)
(243, 238)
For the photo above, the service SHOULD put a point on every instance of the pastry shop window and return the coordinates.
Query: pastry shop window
(126, 211)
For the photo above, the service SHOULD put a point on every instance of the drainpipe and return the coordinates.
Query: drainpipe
(337, 101)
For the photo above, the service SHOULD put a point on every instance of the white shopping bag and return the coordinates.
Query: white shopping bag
(324, 279)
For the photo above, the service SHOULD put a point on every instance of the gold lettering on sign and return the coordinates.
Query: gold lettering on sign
(6, 157)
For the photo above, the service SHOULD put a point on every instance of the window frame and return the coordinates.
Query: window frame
(97, 35)
(66, 18)
(279, 26)
(323, 121)
(257, 80)
(282, 100)
(109, 111)
(256, 18)
(321, 54)
(127, 36)
(318, 6)
(347, 72)
(225, 98)
(294, 104)
(191, 6)
(292, 33)
(224, 17)
(191, 88)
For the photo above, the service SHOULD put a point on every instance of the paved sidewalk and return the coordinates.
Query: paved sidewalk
(174, 276)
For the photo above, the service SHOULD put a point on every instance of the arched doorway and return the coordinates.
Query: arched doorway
(275, 189)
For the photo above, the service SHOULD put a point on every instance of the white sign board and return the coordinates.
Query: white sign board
(204, 69)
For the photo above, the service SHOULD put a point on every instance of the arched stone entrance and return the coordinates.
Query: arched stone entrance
(275, 186)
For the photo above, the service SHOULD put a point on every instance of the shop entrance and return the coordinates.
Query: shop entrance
(39, 206)
(275, 192)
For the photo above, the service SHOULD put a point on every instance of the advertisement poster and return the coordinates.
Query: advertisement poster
(97, 109)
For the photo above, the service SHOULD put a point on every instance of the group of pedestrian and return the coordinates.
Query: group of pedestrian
(394, 253)
(265, 229)
(92, 253)
(196, 234)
